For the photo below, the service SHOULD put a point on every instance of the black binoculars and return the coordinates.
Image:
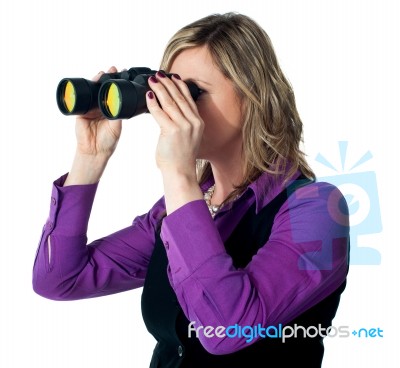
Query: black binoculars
(118, 95)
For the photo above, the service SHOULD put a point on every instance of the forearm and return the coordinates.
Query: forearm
(68, 268)
(86, 169)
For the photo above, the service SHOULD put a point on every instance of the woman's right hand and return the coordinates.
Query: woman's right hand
(96, 135)
(97, 139)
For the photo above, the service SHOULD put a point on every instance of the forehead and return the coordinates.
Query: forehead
(195, 63)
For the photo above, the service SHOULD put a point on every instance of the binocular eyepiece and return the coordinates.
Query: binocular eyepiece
(118, 95)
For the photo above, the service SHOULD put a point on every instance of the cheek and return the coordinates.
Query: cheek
(203, 111)
(220, 111)
(208, 113)
(233, 111)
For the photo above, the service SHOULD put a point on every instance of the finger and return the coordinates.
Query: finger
(112, 69)
(172, 101)
(158, 113)
(184, 89)
(97, 76)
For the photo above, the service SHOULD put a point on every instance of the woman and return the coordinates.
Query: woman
(243, 238)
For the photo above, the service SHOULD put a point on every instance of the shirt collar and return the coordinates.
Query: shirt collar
(265, 188)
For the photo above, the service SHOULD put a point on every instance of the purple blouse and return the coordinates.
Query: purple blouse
(304, 260)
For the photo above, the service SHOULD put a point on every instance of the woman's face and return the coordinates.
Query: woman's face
(219, 105)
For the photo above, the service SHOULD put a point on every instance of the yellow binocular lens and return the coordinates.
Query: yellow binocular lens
(113, 100)
(69, 97)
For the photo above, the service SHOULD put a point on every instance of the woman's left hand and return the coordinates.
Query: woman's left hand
(181, 127)
(181, 132)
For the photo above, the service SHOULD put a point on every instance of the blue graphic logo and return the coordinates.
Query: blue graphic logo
(361, 193)
(368, 332)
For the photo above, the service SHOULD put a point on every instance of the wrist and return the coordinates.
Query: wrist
(86, 169)
(181, 175)
(180, 189)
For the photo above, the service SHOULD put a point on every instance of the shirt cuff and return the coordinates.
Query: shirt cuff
(190, 238)
(70, 207)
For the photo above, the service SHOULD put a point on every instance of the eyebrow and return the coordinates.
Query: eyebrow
(199, 80)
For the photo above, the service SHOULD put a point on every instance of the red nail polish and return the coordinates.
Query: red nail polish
(153, 79)
(150, 94)
(160, 74)
(177, 76)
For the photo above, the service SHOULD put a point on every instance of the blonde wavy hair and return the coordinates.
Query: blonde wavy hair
(272, 128)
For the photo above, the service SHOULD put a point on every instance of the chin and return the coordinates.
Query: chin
(203, 156)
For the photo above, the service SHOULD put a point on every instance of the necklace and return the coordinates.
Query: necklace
(213, 208)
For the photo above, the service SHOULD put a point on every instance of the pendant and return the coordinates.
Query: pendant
(214, 208)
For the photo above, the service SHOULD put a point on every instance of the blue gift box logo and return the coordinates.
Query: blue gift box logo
(361, 193)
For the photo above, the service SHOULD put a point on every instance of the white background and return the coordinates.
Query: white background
(342, 59)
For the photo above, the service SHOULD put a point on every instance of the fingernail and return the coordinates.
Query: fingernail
(177, 76)
(153, 79)
(160, 74)
(150, 95)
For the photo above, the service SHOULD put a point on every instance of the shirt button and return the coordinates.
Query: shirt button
(53, 201)
(166, 245)
(180, 350)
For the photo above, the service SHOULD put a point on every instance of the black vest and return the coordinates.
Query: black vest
(166, 321)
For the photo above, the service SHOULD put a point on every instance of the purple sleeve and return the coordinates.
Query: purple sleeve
(304, 260)
(67, 268)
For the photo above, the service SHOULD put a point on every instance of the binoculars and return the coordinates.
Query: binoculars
(118, 95)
